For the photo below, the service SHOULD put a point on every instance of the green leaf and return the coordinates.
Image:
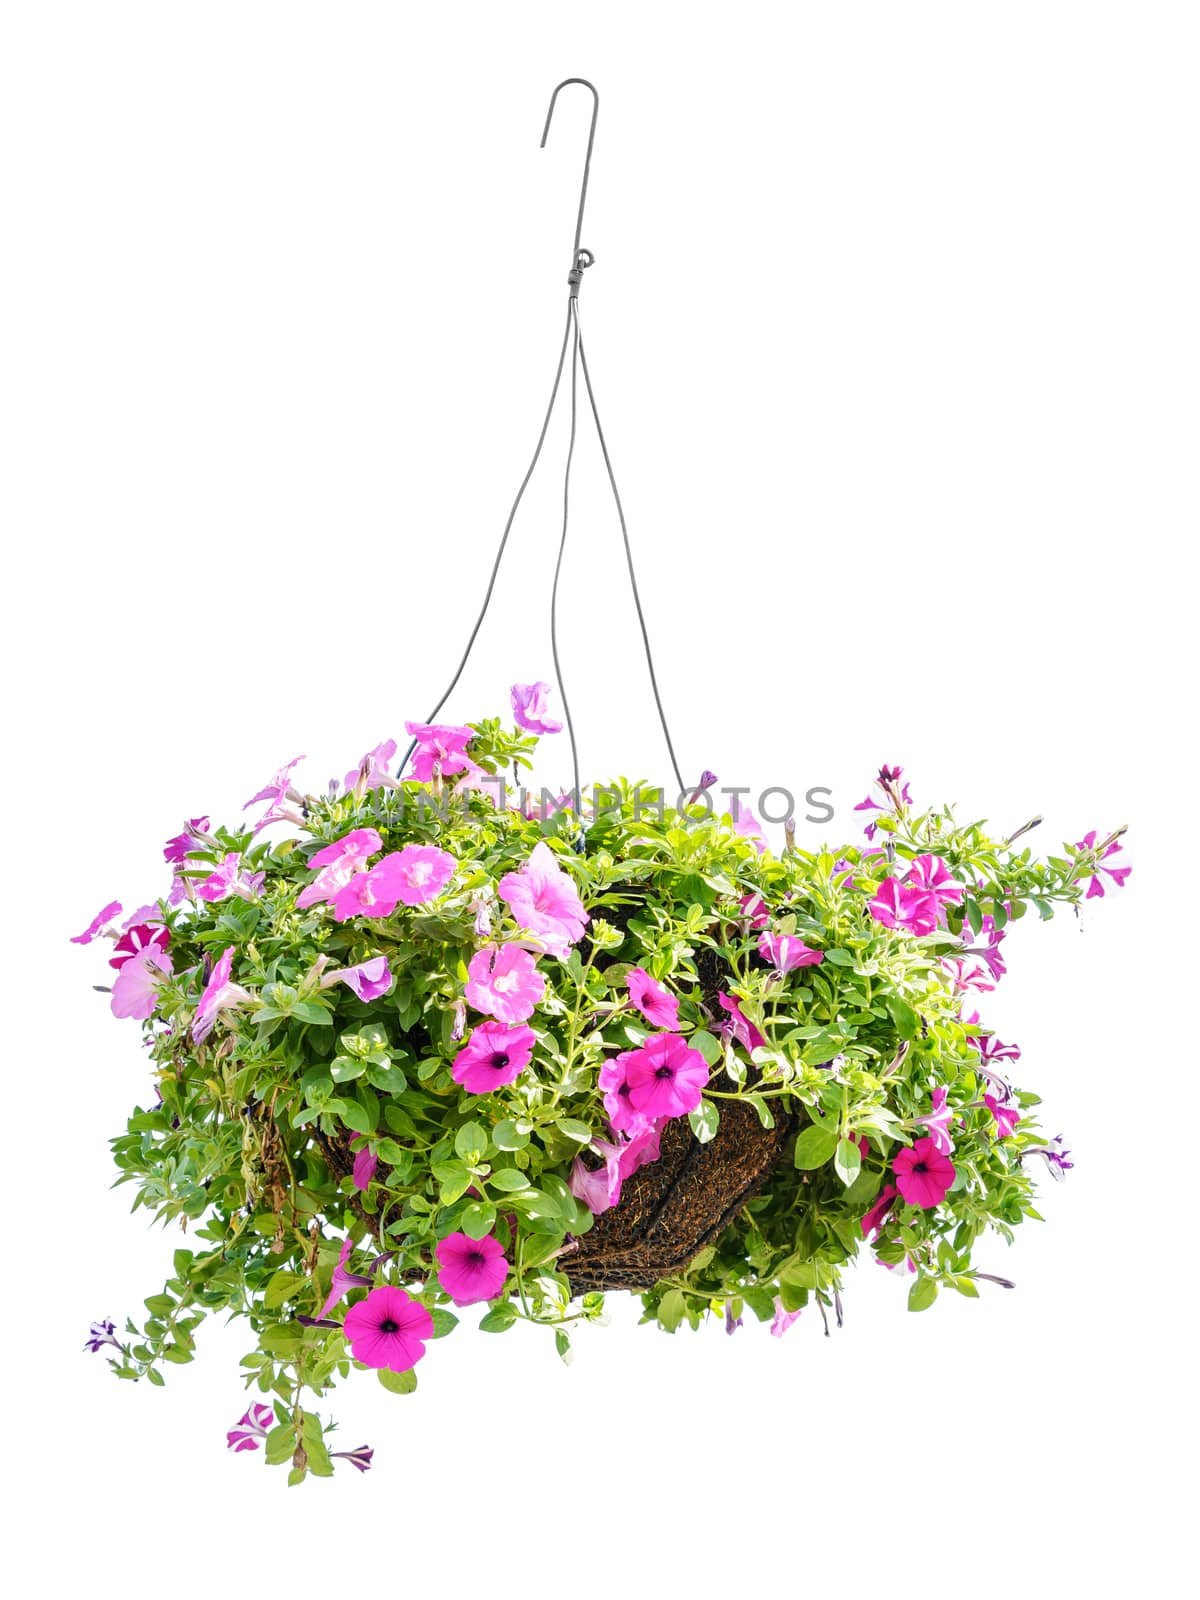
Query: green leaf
(282, 1287)
(478, 1219)
(671, 1310)
(847, 1161)
(471, 1143)
(815, 1145)
(346, 1068)
(387, 1079)
(905, 1018)
(579, 1131)
(922, 1294)
(704, 1120)
(711, 1049)
(506, 1136)
(444, 1322)
(351, 1113)
(508, 1179)
(398, 1382)
(498, 1319)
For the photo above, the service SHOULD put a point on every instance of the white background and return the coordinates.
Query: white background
(894, 330)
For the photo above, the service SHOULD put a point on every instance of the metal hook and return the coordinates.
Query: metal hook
(577, 264)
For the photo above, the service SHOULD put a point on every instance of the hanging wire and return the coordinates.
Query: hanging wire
(581, 259)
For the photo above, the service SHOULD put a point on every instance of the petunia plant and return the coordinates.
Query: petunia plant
(423, 1048)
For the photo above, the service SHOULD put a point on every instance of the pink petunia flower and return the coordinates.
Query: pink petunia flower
(614, 1085)
(338, 863)
(875, 1217)
(968, 974)
(545, 902)
(783, 1319)
(739, 1025)
(600, 1187)
(219, 995)
(923, 1174)
(658, 1005)
(529, 708)
(251, 1428)
(368, 980)
(343, 1281)
(1005, 1117)
(372, 770)
(414, 875)
(495, 1055)
(441, 749)
(666, 1077)
(113, 909)
(136, 938)
(503, 982)
(931, 875)
(747, 824)
(938, 1121)
(135, 988)
(279, 791)
(898, 905)
(471, 1270)
(787, 952)
(229, 879)
(388, 1329)
(753, 909)
(365, 1162)
(1117, 874)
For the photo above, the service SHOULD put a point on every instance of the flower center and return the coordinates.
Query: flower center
(920, 1167)
(421, 872)
(665, 1072)
(476, 1258)
(388, 1326)
(500, 1060)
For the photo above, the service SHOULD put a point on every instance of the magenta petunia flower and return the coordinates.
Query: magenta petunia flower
(658, 1005)
(931, 875)
(365, 1163)
(1055, 1154)
(494, 1055)
(136, 938)
(219, 995)
(739, 1025)
(615, 1086)
(938, 1121)
(787, 952)
(441, 750)
(338, 863)
(754, 911)
(388, 1329)
(968, 974)
(360, 1457)
(529, 708)
(1005, 1117)
(471, 1270)
(783, 1319)
(545, 902)
(135, 987)
(1117, 874)
(874, 1218)
(193, 837)
(666, 1076)
(503, 982)
(368, 980)
(343, 1281)
(113, 909)
(899, 905)
(251, 1428)
(923, 1174)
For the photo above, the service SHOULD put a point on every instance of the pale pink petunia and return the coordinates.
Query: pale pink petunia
(338, 863)
(193, 837)
(135, 987)
(968, 974)
(441, 749)
(414, 875)
(1117, 874)
(748, 825)
(600, 1188)
(388, 1329)
(368, 980)
(219, 995)
(372, 770)
(783, 1319)
(529, 708)
(923, 1174)
(503, 982)
(666, 1076)
(230, 878)
(143, 914)
(113, 909)
(658, 1005)
(899, 905)
(279, 786)
(937, 1121)
(543, 899)
(471, 1270)
(931, 875)
(786, 952)
(494, 1056)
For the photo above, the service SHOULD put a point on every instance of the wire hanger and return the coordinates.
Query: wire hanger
(581, 259)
